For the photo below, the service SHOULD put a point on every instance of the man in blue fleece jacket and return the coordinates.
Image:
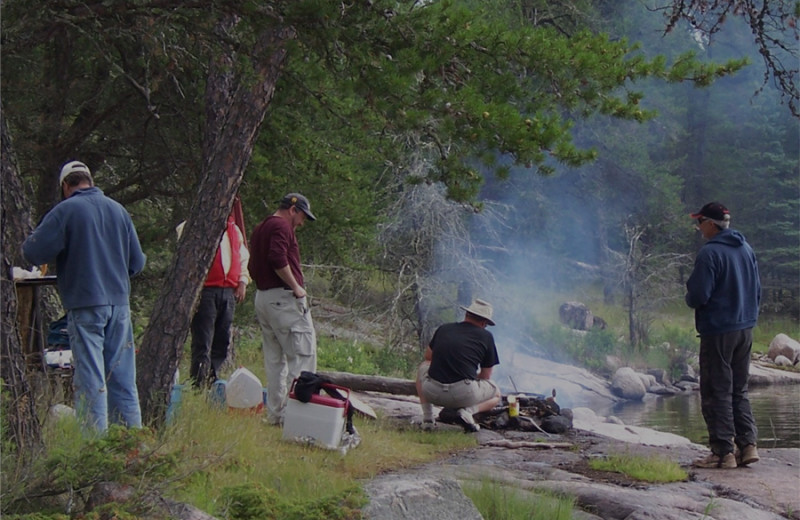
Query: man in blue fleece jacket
(724, 290)
(96, 249)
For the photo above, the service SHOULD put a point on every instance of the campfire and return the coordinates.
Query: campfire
(521, 411)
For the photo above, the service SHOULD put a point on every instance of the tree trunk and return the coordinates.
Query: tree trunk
(235, 108)
(20, 413)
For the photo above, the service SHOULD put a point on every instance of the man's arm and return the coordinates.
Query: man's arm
(136, 257)
(485, 373)
(46, 241)
(244, 276)
(700, 284)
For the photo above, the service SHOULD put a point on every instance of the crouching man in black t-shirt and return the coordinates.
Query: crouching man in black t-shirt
(457, 367)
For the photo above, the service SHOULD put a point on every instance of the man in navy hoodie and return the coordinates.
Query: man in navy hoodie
(724, 289)
(96, 249)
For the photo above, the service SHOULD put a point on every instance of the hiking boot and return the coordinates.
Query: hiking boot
(428, 425)
(748, 455)
(714, 461)
(467, 421)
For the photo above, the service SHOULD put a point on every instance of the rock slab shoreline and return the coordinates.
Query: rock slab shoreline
(767, 490)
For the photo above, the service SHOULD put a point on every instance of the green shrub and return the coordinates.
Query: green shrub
(363, 358)
(252, 501)
(588, 349)
(681, 338)
(248, 501)
(598, 343)
(73, 464)
(346, 356)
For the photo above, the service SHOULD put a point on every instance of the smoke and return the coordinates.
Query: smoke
(543, 240)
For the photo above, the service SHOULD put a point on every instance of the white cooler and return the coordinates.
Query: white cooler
(322, 419)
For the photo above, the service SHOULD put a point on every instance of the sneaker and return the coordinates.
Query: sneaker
(272, 421)
(748, 455)
(467, 421)
(449, 416)
(428, 425)
(714, 461)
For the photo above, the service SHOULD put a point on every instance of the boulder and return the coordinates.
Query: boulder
(687, 373)
(613, 363)
(574, 386)
(556, 424)
(60, 411)
(627, 384)
(599, 323)
(663, 390)
(576, 315)
(689, 386)
(647, 380)
(409, 495)
(660, 375)
(783, 345)
(761, 375)
(783, 361)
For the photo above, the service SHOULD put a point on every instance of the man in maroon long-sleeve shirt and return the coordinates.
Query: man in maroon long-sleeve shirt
(289, 342)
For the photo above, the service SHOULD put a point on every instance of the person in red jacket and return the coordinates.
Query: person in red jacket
(225, 285)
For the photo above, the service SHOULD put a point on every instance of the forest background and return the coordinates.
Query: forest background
(449, 149)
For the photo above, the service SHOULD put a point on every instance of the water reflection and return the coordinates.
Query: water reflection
(776, 409)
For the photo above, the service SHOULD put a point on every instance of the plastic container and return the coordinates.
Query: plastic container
(243, 391)
(513, 406)
(174, 402)
(322, 419)
(216, 395)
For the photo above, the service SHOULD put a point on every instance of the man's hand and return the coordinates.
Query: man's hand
(299, 292)
(240, 292)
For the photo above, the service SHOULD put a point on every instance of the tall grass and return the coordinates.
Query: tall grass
(499, 502)
(231, 465)
(240, 448)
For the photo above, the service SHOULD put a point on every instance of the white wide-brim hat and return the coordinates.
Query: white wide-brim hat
(480, 308)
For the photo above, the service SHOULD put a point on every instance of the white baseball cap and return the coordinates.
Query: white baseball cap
(73, 167)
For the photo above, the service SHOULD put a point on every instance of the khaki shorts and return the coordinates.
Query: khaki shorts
(461, 394)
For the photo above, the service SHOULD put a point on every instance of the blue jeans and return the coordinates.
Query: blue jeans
(104, 381)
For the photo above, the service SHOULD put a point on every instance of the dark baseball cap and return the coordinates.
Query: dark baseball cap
(300, 202)
(712, 210)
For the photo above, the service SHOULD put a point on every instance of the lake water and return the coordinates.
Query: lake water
(776, 409)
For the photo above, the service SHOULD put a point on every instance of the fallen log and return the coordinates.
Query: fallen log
(363, 383)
